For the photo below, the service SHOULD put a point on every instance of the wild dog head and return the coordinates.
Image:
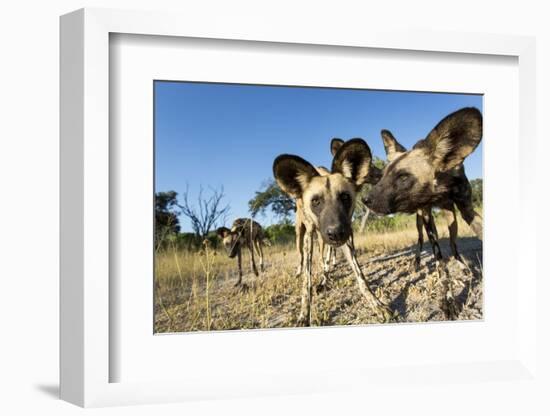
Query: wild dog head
(328, 200)
(230, 240)
(410, 180)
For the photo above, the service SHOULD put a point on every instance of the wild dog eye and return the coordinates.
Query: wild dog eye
(403, 177)
(315, 201)
(345, 197)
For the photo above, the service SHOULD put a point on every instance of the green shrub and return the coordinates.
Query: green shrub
(280, 233)
(390, 223)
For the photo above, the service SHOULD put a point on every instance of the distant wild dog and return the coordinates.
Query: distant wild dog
(243, 233)
(326, 205)
(431, 174)
(462, 194)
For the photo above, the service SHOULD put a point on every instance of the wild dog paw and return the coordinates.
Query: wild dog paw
(303, 320)
(386, 314)
(324, 285)
(241, 287)
(463, 265)
(450, 308)
(449, 305)
(414, 265)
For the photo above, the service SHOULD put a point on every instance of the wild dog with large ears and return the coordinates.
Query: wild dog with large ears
(424, 216)
(461, 195)
(429, 174)
(244, 232)
(327, 205)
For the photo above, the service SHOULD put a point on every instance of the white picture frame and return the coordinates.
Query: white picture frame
(86, 353)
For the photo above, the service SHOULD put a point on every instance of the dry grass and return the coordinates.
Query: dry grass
(195, 290)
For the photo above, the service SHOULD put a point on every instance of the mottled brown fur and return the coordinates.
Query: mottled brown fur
(326, 203)
(243, 233)
(431, 173)
(424, 216)
(326, 251)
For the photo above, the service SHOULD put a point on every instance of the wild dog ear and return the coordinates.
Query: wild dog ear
(353, 160)
(223, 232)
(335, 144)
(392, 147)
(293, 174)
(454, 138)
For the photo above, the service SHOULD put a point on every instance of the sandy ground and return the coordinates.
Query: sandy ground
(272, 300)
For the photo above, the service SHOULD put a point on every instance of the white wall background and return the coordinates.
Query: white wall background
(29, 100)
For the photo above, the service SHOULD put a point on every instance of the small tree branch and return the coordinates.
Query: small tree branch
(209, 210)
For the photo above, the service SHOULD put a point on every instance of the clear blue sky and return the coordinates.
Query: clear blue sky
(228, 134)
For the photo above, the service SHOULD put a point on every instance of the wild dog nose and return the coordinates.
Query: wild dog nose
(336, 233)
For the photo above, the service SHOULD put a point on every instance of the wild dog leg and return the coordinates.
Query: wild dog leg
(329, 254)
(450, 215)
(432, 225)
(472, 218)
(431, 231)
(260, 251)
(305, 313)
(448, 302)
(332, 254)
(419, 228)
(324, 257)
(380, 308)
(300, 231)
(252, 261)
(239, 263)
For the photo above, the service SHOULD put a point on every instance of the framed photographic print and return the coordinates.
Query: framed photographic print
(218, 206)
(274, 212)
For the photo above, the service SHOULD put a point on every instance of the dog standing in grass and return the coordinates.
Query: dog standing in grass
(327, 203)
(460, 192)
(430, 175)
(244, 232)
(327, 252)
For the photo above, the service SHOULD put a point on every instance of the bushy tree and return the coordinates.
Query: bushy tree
(477, 191)
(166, 216)
(281, 233)
(271, 196)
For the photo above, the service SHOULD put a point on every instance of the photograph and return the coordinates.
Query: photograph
(290, 206)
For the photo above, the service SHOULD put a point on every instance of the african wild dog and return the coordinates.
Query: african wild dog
(243, 232)
(431, 174)
(424, 216)
(328, 252)
(327, 204)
